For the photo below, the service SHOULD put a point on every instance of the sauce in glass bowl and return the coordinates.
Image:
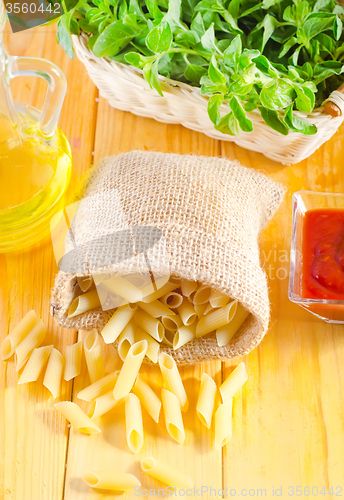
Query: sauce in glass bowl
(323, 254)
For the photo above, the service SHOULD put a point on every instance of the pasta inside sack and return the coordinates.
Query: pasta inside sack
(171, 245)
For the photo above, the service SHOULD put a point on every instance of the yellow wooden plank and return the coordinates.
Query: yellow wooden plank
(119, 132)
(33, 439)
(288, 419)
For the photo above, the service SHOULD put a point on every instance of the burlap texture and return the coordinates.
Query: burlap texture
(210, 212)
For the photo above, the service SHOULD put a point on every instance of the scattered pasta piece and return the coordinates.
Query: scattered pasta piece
(156, 309)
(233, 382)
(172, 299)
(117, 481)
(100, 387)
(223, 424)
(172, 379)
(126, 339)
(187, 312)
(188, 287)
(54, 372)
(165, 473)
(103, 404)
(77, 417)
(17, 335)
(148, 398)
(130, 369)
(184, 335)
(173, 416)
(35, 365)
(73, 360)
(34, 339)
(133, 423)
(153, 347)
(84, 282)
(206, 400)
(202, 295)
(94, 357)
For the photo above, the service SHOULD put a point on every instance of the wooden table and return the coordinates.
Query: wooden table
(289, 417)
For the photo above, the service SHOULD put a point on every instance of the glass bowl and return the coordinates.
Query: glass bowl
(331, 311)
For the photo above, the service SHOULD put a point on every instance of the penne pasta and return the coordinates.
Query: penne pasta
(172, 299)
(168, 338)
(160, 292)
(118, 322)
(139, 280)
(103, 404)
(94, 357)
(172, 379)
(100, 387)
(28, 344)
(84, 303)
(54, 372)
(98, 278)
(156, 309)
(200, 309)
(17, 335)
(35, 365)
(218, 299)
(187, 312)
(175, 279)
(148, 398)
(149, 324)
(184, 335)
(126, 339)
(209, 309)
(172, 323)
(73, 360)
(153, 347)
(206, 400)
(116, 481)
(173, 416)
(227, 332)
(166, 474)
(233, 382)
(133, 423)
(223, 424)
(202, 295)
(124, 288)
(130, 369)
(77, 417)
(84, 282)
(215, 319)
(188, 287)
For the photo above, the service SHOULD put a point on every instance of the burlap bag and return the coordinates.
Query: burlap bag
(210, 212)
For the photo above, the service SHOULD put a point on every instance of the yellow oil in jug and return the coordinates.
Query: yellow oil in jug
(33, 180)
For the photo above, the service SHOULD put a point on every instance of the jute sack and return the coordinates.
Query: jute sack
(209, 212)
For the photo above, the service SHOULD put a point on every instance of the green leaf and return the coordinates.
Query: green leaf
(214, 105)
(272, 119)
(296, 124)
(153, 9)
(235, 46)
(305, 99)
(244, 123)
(277, 95)
(208, 39)
(63, 34)
(136, 59)
(150, 72)
(215, 75)
(337, 28)
(194, 73)
(313, 26)
(326, 69)
(114, 38)
(197, 25)
(228, 125)
(159, 40)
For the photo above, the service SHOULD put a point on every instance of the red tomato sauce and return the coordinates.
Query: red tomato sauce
(323, 254)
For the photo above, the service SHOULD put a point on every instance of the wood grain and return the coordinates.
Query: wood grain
(288, 419)
(33, 438)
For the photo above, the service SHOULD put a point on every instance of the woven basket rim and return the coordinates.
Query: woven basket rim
(83, 37)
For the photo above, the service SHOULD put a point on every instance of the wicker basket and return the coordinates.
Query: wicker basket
(125, 88)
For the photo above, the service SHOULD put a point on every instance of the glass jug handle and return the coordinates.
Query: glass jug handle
(57, 86)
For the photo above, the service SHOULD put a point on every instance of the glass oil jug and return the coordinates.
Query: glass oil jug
(35, 157)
